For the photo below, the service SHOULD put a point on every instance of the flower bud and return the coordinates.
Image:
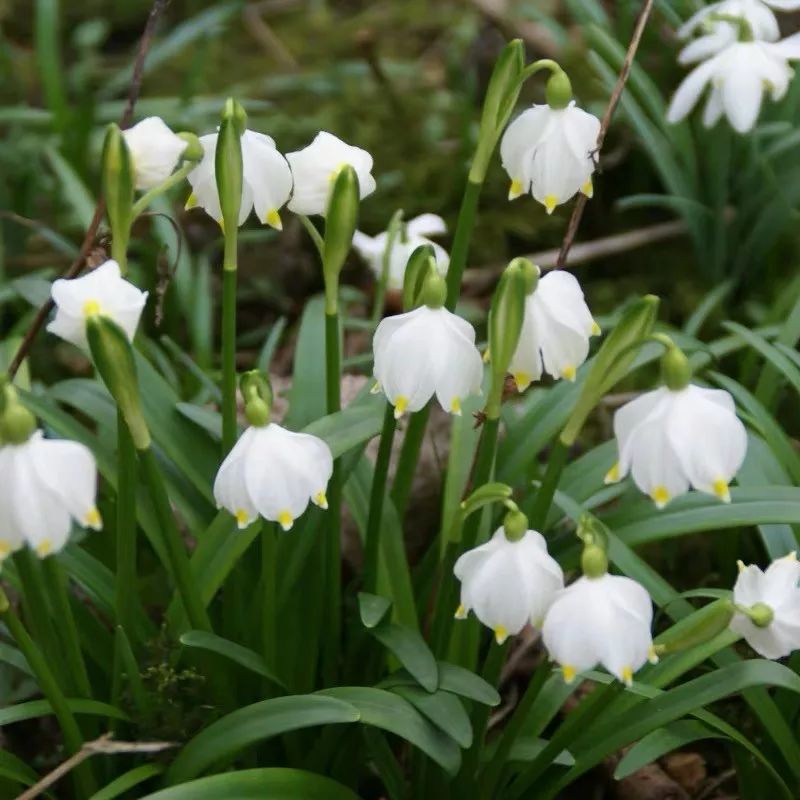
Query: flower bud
(194, 150)
(434, 288)
(698, 629)
(612, 361)
(505, 326)
(531, 272)
(228, 163)
(675, 370)
(113, 357)
(118, 188)
(341, 220)
(416, 270)
(501, 97)
(594, 561)
(257, 393)
(515, 525)
(559, 90)
(484, 495)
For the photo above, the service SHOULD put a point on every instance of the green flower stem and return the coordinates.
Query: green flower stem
(84, 780)
(372, 539)
(461, 240)
(67, 629)
(187, 587)
(147, 198)
(545, 493)
(409, 455)
(125, 587)
(119, 252)
(229, 346)
(269, 595)
(578, 721)
(333, 517)
(512, 730)
(448, 588)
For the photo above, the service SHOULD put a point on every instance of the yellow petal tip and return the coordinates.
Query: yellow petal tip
(455, 406)
(660, 495)
(273, 219)
(612, 476)
(568, 373)
(596, 330)
(91, 308)
(627, 676)
(461, 612)
(285, 520)
(242, 518)
(400, 406)
(568, 672)
(588, 188)
(5, 548)
(522, 381)
(515, 190)
(93, 519)
(321, 499)
(191, 202)
(721, 490)
(44, 548)
(550, 202)
(500, 634)
(652, 655)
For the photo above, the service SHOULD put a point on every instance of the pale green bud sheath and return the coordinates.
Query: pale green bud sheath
(676, 372)
(16, 422)
(434, 289)
(699, 630)
(515, 525)
(558, 91)
(228, 170)
(505, 324)
(118, 189)
(341, 221)
(415, 273)
(257, 393)
(594, 561)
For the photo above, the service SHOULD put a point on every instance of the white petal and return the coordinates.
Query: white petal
(154, 151)
(426, 225)
(742, 91)
(267, 174)
(689, 91)
(628, 418)
(230, 490)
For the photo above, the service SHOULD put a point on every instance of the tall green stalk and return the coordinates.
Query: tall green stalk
(229, 270)
(73, 741)
(461, 240)
(269, 595)
(372, 539)
(125, 585)
(409, 456)
(547, 490)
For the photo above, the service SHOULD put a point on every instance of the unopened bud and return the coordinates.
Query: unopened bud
(416, 271)
(515, 525)
(341, 220)
(559, 90)
(594, 561)
(675, 370)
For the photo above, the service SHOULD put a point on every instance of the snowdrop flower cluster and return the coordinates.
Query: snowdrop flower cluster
(101, 291)
(45, 485)
(509, 582)
(266, 179)
(274, 473)
(550, 152)
(671, 439)
(414, 234)
(425, 352)
(555, 331)
(768, 607)
(154, 151)
(743, 61)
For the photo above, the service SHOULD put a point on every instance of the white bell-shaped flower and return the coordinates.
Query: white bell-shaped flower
(45, 484)
(417, 231)
(154, 151)
(718, 33)
(266, 179)
(424, 352)
(551, 153)
(102, 291)
(604, 620)
(316, 166)
(670, 440)
(273, 473)
(508, 584)
(738, 76)
(555, 331)
(772, 597)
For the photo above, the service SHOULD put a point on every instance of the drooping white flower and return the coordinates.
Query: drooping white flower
(45, 484)
(555, 331)
(670, 440)
(776, 595)
(273, 473)
(550, 153)
(508, 584)
(738, 76)
(316, 166)
(266, 179)
(154, 151)
(417, 230)
(424, 352)
(604, 620)
(101, 291)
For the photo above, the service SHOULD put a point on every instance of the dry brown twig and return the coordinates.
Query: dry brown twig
(102, 746)
(87, 245)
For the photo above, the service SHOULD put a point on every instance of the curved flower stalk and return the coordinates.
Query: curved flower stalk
(600, 619)
(102, 291)
(315, 167)
(510, 581)
(425, 352)
(266, 179)
(718, 29)
(154, 150)
(549, 151)
(768, 607)
(417, 231)
(556, 330)
(271, 472)
(738, 76)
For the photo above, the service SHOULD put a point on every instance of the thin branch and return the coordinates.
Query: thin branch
(104, 746)
(87, 245)
(580, 205)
